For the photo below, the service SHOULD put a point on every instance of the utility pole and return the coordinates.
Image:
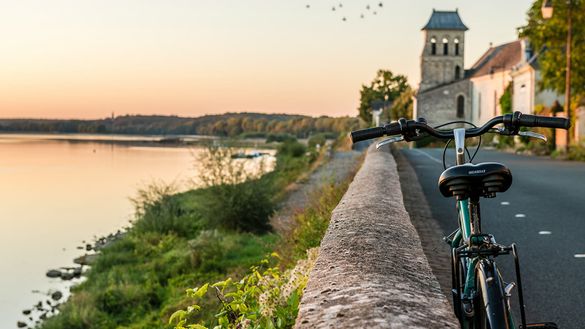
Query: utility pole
(568, 69)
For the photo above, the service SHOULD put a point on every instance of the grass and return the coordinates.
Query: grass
(140, 280)
(268, 295)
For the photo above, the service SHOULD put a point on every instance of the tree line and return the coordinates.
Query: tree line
(225, 125)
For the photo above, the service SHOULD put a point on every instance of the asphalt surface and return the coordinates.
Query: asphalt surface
(543, 212)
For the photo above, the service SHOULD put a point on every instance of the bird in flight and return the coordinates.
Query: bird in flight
(346, 11)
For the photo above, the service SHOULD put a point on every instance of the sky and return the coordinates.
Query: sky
(88, 58)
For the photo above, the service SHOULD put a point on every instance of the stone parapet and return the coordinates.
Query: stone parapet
(371, 271)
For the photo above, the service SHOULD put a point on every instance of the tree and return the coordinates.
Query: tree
(402, 106)
(549, 38)
(506, 100)
(381, 92)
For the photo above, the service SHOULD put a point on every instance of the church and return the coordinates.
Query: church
(448, 92)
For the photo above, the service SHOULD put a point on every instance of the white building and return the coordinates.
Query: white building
(447, 92)
(489, 77)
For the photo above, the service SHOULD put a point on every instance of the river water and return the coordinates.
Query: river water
(56, 193)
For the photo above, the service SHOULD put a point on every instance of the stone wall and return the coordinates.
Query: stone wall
(439, 69)
(439, 105)
(371, 271)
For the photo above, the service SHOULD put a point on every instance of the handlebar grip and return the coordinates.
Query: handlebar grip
(369, 133)
(528, 120)
(365, 134)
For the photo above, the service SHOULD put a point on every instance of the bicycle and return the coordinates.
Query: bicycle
(481, 298)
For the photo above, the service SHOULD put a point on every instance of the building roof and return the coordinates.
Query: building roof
(496, 59)
(445, 20)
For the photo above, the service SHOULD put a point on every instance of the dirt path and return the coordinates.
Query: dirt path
(336, 169)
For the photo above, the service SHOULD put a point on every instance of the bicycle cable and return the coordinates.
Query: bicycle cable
(449, 141)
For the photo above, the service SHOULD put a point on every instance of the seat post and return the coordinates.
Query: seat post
(475, 214)
(459, 134)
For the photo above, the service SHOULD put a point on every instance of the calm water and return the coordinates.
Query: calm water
(56, 193)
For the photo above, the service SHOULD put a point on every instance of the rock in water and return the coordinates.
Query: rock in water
(26, 312)
(77, 271)
(66, 276)
(57, 295)
(54, 274)
(85, 259)
(21, 324)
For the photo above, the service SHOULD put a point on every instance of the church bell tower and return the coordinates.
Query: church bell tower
(444, 50)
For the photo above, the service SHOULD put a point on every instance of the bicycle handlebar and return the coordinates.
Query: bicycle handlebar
(412, 128)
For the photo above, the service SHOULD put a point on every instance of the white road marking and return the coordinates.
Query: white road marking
(520, 216)
(428, 156)
(545, 232)
(579, 255)
(505, 203)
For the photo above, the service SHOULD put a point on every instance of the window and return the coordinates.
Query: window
(445, 46)
(460, 106)
(456, 41)
(457, 72)
(433, 46)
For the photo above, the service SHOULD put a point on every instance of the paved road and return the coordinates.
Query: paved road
(543, 212)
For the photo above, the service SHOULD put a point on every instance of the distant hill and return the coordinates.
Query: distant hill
(229, 125)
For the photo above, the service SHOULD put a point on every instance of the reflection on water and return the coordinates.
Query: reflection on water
(54, 194)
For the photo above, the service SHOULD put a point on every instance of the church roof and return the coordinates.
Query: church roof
(445, 20)
(496, 59)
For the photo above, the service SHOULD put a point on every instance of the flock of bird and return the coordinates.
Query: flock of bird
(373, 9)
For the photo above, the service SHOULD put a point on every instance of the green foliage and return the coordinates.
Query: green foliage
(314, 220)
(280, 138)
(382, 91)
(576, 153)
(403, 106)
(266, 297)
(156, 210)
(291, 148)
(227, 125)
(253, 134)
(317, 139)
(549, 36)
(237, 199)
(506, 100)
(241, 207)
(139, 280)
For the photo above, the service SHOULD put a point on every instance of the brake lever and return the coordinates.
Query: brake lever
(533, 135)
(389, 141)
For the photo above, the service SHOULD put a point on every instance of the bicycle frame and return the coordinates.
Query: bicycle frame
(478, 269)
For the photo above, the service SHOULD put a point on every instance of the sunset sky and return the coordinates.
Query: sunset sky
(87, 59)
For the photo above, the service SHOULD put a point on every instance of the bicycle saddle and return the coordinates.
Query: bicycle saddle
(475, 180)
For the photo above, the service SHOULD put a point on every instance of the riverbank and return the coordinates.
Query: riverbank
(140, 280)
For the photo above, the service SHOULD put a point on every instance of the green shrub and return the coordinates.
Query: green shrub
(253, 134)
(265, 298)
(292, 148)
(235, 199)
(280, 138)
(243, 206)
(317, 139)
(158, 210)
(576, 152)
(207, 250)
